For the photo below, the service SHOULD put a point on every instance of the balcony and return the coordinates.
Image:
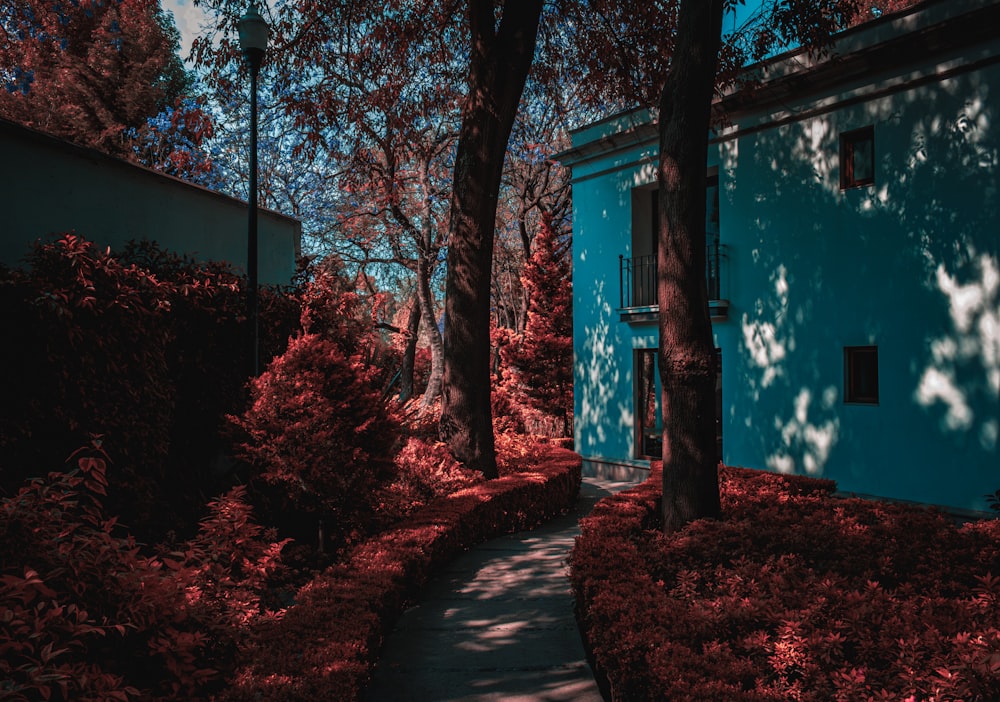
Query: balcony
(637, 286)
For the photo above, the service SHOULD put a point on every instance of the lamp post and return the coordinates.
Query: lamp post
(253, 41)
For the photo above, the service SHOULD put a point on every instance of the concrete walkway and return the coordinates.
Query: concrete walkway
(497, 624)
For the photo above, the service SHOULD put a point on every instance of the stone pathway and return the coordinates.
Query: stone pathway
(497, 624)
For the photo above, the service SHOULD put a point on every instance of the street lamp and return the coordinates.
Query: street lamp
(253, 41)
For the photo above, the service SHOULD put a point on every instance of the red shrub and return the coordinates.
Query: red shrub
(87, 616)
(148, 349)
(794, 594)
(324, 647)
(425, 469)
(89, 358)
(320, 432)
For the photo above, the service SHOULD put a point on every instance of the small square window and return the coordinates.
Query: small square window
(861, 374)
(857, 158)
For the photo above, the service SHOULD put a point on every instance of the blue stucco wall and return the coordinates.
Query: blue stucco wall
(602, 225)
(910, 264)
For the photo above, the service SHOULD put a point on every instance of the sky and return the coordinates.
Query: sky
(189, 18)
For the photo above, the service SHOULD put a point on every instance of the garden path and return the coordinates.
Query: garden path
(497, 624)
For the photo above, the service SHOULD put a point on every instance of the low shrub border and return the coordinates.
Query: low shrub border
(794, 595)
(324, 647)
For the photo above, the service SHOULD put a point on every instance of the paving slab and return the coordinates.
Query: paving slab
(496, 624)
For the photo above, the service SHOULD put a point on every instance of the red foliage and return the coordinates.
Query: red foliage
(88, 70)
(425, 469)
(91, 357)
(794, 594)
(319, 431)
(324, 647)
(540, 362)
(87, 616)
(146, 349)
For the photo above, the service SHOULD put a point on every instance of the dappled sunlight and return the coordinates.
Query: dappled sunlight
(767, 342)
(812, 148)
(807, 441)
(966, 363)
(644, 175)
(598, 377)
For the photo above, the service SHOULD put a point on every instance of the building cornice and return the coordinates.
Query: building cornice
(925, 31)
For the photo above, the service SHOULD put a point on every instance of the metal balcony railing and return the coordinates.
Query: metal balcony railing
(637, 277)
(637, 281)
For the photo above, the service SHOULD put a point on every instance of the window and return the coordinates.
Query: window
(648, 414)
(638, 272)
(861, 375)
(857, 158)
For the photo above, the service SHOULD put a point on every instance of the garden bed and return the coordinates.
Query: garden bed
(794, 594)
(325, 646)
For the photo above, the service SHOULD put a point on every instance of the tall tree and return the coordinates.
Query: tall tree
(687, 352)
(499, 62)
(540, 361)
(673, 61)
(88, 70)
(372, 92)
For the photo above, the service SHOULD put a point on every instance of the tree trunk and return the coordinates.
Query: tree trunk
(409, 354)
(428, 247)
(433, 332)
(687, 359)
(498, 68)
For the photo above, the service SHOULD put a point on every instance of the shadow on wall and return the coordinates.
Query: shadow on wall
(601, 412)
(909, 264)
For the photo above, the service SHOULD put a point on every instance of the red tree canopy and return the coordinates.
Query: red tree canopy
(88, 70)
(540, 364)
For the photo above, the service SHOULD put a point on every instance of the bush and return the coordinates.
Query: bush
(794, 594)
(87, 616)
(425, 470)
(90, 355)
(318, 431)
(148, 349)
(325, 646)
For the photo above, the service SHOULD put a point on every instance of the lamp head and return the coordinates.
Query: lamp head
(253, 37)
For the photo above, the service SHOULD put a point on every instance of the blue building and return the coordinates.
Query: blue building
(853, 219)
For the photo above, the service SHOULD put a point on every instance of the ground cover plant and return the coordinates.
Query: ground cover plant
(342, 503)
(325, 646)
(88, 613)
(795, 594)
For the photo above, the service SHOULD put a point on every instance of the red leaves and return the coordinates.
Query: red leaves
(827, 598)
(324, 646)
(540, 362)
(320, 431)
(83, 615)
(96, 68)
(145, 348)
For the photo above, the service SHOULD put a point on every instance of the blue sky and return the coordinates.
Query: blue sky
(189, 18)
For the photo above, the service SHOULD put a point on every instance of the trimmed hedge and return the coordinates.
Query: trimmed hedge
(793, 595)
(325, 646)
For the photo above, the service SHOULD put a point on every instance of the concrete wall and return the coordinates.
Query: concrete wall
(910, 264)
(49, 186)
